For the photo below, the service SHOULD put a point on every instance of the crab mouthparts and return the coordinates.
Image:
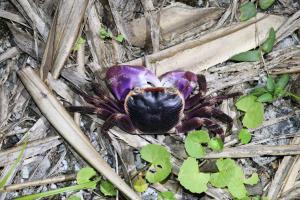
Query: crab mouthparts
(154, 109)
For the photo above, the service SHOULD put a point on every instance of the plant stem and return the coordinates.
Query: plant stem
(292, 95)
(87, 185)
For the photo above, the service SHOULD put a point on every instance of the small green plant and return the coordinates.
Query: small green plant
(140, 184)
(86, 179)
(265, 4)
(247, 10)
(254, 111)
(107, 34)
(3, 181)
(159, 158)
(255, 55)
(231, 175)
(80, 41)
(245, 136)
(107, 188)
(191, 178)
(166, 196)
(194, 141)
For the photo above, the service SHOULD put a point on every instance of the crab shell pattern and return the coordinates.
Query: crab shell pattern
(145, 103)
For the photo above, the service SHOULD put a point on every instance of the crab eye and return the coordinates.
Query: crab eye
(171, 90)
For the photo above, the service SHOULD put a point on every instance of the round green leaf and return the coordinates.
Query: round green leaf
(245, 136)
(254, 116)
(265, 4)
(216, 144)
(190, 177)
(166, 196)
(159, 158)
(140, 185)
(248, 10)
(245, 103)
(85, 174)
(193, 143)
(107, 188)
(230, 175)
(237, 189)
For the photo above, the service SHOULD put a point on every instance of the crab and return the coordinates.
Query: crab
(143, 103)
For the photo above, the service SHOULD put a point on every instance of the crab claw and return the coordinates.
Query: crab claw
(123, 78)
(184, 81)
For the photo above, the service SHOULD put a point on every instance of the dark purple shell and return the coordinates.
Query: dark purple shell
(124, 78)
(154, 110)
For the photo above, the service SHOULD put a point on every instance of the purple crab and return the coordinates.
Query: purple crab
(144, 103)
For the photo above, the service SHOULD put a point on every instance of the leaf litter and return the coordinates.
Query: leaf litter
(191, 43)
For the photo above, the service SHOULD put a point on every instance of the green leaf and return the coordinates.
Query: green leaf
(74, 197)
(166, 196)
(159, 158)
(85, 174)
(252, 180)
(267, 97)
(265, 4)
(119, 38)
(231, 175)
(140, 185)
(216, 144)
(270, 84)
(14, 165)
(80, 41)
(104, 34)
(254, 111)
(248, 10)
(248, 56)
(282, 81)
(237, 189)
(245, 136)
(193, 143)
(267, 46)
(190, 177)
(107, 188)
(254, 116)
(258, 91)
(245, 103)
(279, 92)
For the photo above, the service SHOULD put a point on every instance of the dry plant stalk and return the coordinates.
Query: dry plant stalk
(174, 20)
(62, 36)
(213, 48)
(255, 150)
(64, 124)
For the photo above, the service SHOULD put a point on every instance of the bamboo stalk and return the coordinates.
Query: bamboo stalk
(64, 124)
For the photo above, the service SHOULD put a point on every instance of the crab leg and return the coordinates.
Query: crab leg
(218, 99)
(101, 93)
(120, 120)
(197, 122)
(208, 111)
(100, 112)
(93, 100)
